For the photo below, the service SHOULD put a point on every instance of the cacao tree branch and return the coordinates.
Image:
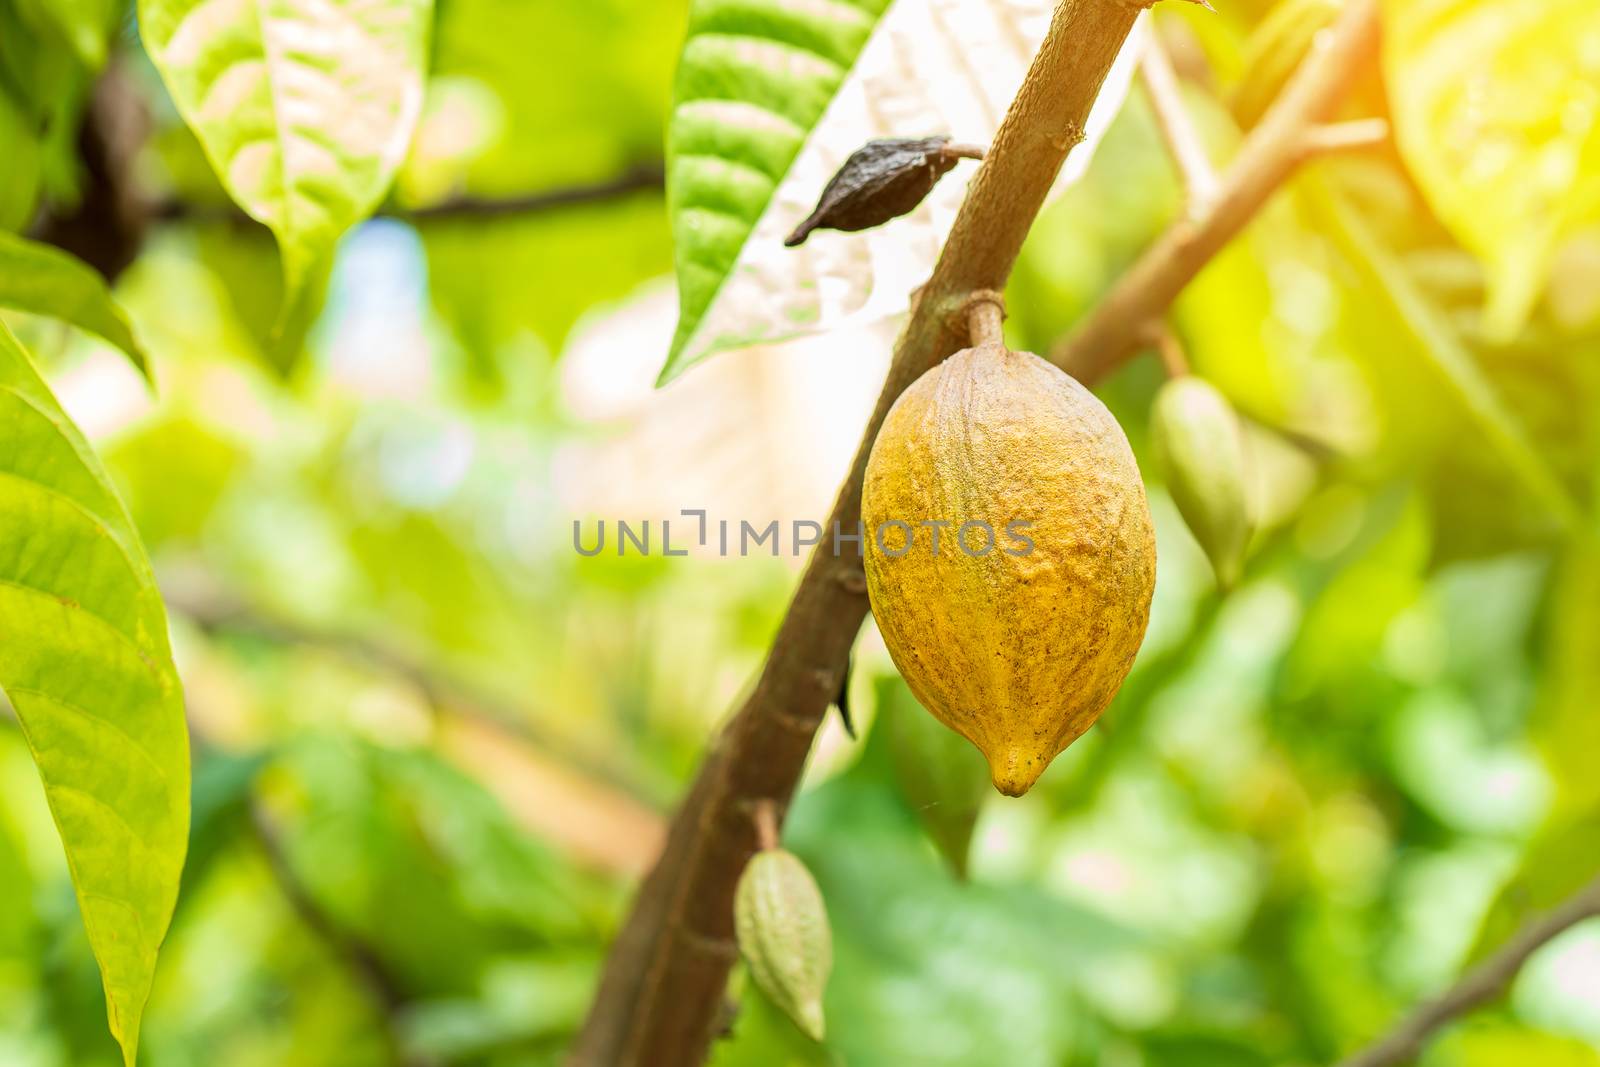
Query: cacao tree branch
(1480, 985)
(1344, 137)
(1178, 131)
(664, 982)
(380, 985)
(1266, 159)
(217, 612)
(108, 224)
(642, 177)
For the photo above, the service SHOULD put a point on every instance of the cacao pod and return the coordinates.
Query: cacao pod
(1199, 443)
(782, 927)
(1018, 627)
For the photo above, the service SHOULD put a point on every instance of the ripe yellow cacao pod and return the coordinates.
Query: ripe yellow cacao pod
(783, 934)
(1200, 446)
(1016, 620)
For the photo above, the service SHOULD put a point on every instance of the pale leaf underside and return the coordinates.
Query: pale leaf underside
(744, 169)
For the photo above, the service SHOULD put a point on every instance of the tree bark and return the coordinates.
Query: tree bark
(662, 992)
(1272, 152)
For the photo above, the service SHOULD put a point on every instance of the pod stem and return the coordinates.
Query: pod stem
(1167, 345)
(985, 313)
(765, 816)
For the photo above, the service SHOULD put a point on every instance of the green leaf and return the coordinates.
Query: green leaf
(1565, 725)
(85, 663)
(941, 775)
(84, 24)
(1559, 862)
(1496, 108)
(1443, 350)
(42, 280)
(304, 108)
(19, 179)
(755, 77)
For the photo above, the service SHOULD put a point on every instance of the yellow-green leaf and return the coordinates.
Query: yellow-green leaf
(85, 663)
(1497, 112)
(304, 107)
(42, 280)
(1430, 335)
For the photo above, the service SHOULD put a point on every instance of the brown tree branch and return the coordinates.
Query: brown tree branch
(641, 177)
(659, 998)
(382, 987)
(1480, 985)
(1268, 156)
(1178, 131)
(1349, 136)
(214, 611)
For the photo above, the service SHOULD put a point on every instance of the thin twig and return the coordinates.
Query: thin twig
(463, 208)
(1480, 985)
(1267, 158)
(383, 988)
(963, 150)
(1170, 349)
(1178, 131)
(640, 178)
(1352, 136)
(217, 612)
(663, 986)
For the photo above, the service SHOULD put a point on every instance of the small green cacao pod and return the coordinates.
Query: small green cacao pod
(783, 934)
(1200, 447)
(1276, 48)
(939, 772)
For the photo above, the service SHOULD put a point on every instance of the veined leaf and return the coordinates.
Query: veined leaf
(85, 662)
(42, 280)
(771, 98)
(1436, 341)
(304, 107)
(1497, 112)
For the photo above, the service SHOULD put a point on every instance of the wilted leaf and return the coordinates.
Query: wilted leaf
(85, 662)
(1497, 112)
(42, 280)
(881, 180)
(758, 80)
(304, 108)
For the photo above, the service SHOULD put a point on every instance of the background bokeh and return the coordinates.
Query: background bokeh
(436, 746)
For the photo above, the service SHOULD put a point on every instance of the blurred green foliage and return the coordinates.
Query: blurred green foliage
(1316, 799)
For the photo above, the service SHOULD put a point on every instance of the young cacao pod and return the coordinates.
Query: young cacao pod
(782, 927)
(1011, 559)
(1200, 446)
